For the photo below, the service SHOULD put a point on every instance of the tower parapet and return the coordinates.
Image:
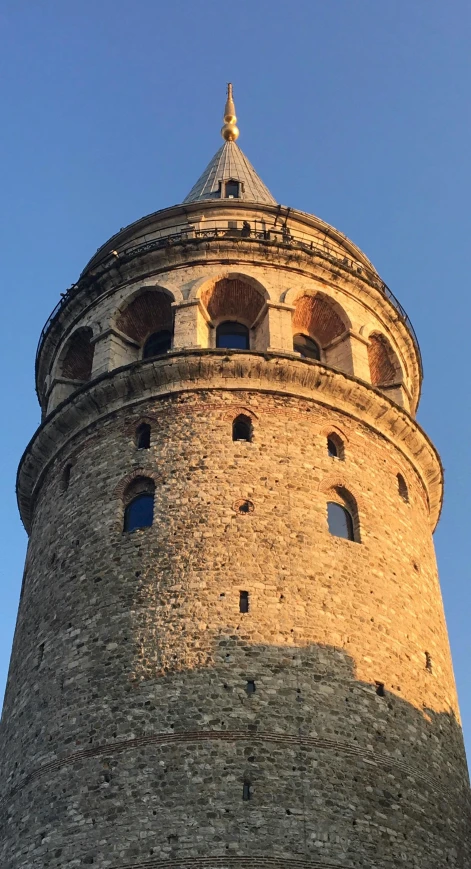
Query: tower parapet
(231, 645)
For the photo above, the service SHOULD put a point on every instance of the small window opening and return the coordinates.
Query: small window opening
(242, 429)
(307, 347)
(402, 488)
(157, 343)
(245, 507)
(143, 436)
(232, 189)
(139, 513)
(340, 521)
(40, 655)
(244, 602)
(250, 687)
(335, 447)
(332, 448)
(380, 689)
(66, 473)
(428, 662)
(232, 336)
(247, 791)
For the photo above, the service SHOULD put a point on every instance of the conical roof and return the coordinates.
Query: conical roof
(230, 164)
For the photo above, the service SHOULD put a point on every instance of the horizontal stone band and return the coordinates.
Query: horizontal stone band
(346, 749)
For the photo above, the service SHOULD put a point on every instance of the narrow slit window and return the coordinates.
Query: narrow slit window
(244, 602)
(402, 488)
(143, 436)
(246, 791)
(428, 662)
(250, 686)
(66, 477)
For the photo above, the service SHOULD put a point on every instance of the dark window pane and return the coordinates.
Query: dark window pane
(156, 344)
(139, 513)
(332, 448)
(232, 189)
(307, 347)
(339, 520)
(232, 335)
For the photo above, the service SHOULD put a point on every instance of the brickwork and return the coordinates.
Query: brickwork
(232, 686)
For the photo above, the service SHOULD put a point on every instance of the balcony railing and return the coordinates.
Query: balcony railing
(255, 232)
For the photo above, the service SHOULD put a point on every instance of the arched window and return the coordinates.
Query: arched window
(335, 447)
(139, 504)
(157, 343)
(242, 428)
(340, 521)
(307, 347)
(143, 436)
(234, 336)
(402, 488)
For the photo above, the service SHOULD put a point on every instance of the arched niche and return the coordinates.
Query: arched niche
(145, 319)
(385, 369)
(237, 299)
(76, 358)
(384, 365)
(322, 320)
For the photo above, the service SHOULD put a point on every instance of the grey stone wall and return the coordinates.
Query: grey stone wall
(128, 731)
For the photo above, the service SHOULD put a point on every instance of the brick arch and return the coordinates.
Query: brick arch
(233, 298)
(149, 311)
(237, 410)
(383, 362)
(334, 429)
(146, 473)
(76, 359)
(334, 483)
(320, 317)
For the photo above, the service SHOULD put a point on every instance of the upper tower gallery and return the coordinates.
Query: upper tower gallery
(323, 301)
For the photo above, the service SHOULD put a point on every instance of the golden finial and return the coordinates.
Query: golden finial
(229, 131)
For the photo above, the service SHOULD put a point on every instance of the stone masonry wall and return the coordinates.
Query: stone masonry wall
(129, 732)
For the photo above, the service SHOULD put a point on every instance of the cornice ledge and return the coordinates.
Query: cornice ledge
(224, 369)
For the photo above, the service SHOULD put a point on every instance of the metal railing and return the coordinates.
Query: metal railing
(256, 232)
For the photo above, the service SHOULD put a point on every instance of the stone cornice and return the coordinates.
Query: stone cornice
(192, 370)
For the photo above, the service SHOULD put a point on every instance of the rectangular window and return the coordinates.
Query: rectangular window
(246, 794)
(244, 602)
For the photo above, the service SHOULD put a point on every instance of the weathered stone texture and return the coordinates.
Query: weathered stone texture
(130, 731)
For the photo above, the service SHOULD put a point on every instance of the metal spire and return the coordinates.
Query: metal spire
(229, 131)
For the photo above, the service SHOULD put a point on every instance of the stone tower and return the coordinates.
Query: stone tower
(231, 648)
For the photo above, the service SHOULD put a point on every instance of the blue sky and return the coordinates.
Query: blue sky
(354, 110)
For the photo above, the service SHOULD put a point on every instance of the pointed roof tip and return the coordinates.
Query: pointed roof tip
(230, 164)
